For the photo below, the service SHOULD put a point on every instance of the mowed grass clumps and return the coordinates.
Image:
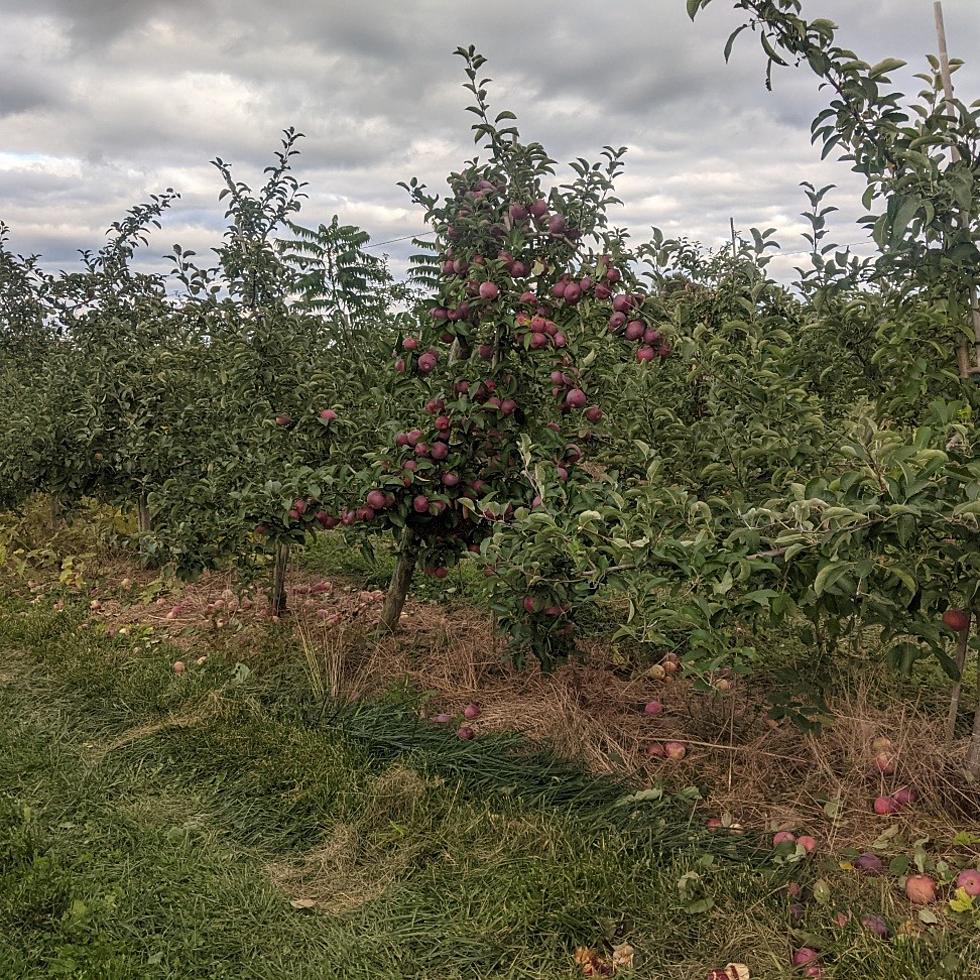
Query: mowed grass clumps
(219, 824)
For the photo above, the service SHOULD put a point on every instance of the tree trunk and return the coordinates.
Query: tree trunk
(277, 600)
(54, 512)
(973, 760)
(143, 523)
(962, 644)
(401, 579)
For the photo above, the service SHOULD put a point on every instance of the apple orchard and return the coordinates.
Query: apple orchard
(581, 417)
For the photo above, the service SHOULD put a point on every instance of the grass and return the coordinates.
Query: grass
(223, 824)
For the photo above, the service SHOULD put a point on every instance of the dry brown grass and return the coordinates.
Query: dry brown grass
(763, 776)
(347, 870)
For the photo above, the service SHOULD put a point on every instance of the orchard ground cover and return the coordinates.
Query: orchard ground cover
(286, 804)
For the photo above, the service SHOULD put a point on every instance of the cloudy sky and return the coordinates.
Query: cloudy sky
(105, 101)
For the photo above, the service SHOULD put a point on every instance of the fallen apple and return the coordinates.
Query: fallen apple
(920, 889)
(969, 881)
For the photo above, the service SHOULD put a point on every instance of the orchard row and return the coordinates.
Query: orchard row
(579, 414)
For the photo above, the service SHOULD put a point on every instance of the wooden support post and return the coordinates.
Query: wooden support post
(967, 367)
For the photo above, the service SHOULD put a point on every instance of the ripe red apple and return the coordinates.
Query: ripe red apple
(634, 330)
(328, 415)
(616, 322)
(538, 208)
(489, 290)
(905, 796)
(427, 362)
(653, 708)
(529, 603)
(675, 750)
(410, 343)
(920, 889)
(400, 366)
(885, 806)
(576, 398)
(808, 843)
(420, 504)
(593, 413)
(645, 354)
(471, 711)
(439, 451)
(440, 571)
(869, 864)
(969, 881)
(875, 924)
(466, 733)
(957, 619)
(557, 225)
(805, 955)
(517, 212)
(656, 751)
(572, 294)
(783, 837)
(376, 500)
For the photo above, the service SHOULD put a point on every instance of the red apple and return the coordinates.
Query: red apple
(969, 881)
(957, 619)
(675, 751)
(885, 806)
(920, 889)
(653, 708)
(805, 955)
(905, 796)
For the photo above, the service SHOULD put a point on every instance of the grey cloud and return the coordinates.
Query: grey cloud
(119, 99)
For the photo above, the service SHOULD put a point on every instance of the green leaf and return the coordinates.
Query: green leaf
(886, 66)
(731, 40)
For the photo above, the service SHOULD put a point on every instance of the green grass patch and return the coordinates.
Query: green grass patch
(222, 824)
